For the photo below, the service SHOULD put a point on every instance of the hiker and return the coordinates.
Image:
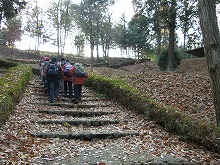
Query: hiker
(62, 63)
(78, 80)
(67, 79)
(52, 77)
(44, 76)
(43, 63)
(43, 59)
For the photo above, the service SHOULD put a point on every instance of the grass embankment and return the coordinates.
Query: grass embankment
(12, 85)
(170, 118)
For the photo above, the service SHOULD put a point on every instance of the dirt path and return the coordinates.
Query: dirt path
(94, 131)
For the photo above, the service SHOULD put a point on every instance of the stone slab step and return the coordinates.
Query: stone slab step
(75, 113)
(79, 105)
(45, 94)
(66, 99)
(79, 122)
(84, 135)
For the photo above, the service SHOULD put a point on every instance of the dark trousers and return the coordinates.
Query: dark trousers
(68, 85)
(52, 90)
(78, 91)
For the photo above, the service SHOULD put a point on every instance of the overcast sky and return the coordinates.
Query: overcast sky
(120, 7)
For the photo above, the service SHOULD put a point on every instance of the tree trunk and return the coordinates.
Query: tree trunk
(171, 58)
(92, 56)
(158, 42)
(211, 38)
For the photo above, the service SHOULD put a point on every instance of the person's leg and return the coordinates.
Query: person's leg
(46, 86)
(80, 92)
(76, 92)
(62, 85)
(57, 88)
(70, 84)
(65, 87)
(52, 89)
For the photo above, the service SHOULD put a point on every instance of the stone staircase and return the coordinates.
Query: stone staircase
(89, 101)
(94, 120)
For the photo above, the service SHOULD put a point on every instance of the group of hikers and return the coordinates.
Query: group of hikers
(62, 77)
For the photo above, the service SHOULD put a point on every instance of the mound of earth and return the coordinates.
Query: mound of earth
(193, 66)
(16, 54)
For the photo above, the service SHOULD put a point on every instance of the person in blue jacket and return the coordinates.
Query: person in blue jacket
(52, 77)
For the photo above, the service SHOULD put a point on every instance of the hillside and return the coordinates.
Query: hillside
(194, 66)
(34, 56)
(188, 88)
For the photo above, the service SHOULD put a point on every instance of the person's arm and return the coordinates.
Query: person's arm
(72, 71)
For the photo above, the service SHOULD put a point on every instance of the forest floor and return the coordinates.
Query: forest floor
(188, 88)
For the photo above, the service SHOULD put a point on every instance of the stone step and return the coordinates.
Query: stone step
(79, 122)
(75, 113)
(79, 105)
(66, 99)
(84, 135)
(45, 94)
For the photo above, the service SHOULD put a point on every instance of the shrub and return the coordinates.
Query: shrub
(12, 85)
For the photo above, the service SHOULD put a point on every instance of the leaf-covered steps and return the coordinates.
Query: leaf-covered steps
(79, 122)
(72, 105)
(68, 99)
(75, 113)
(84, 135)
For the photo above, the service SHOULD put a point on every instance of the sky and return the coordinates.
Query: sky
(120, 7)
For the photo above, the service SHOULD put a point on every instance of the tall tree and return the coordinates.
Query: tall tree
(13, 31)
(79, 43)
(188, 16)
(211, 38)
(139, 37)
(121, 37)
(10, 9)
(163, 17)
(172, 26)
(35, 24)
(60, 14)
(106, 31)
(87, 16)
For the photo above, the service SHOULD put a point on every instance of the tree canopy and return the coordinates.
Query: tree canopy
(10, 8)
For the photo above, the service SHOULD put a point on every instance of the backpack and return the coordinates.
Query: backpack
(66, 70)
(63, 63)
(80, 70)
(52, 70)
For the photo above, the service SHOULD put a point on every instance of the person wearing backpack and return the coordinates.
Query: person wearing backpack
(44, 76)
(67, 79)
(43, 63)
(52, 77)
(59, 79)
(79, 76)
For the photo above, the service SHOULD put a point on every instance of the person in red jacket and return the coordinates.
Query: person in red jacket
(78, 82)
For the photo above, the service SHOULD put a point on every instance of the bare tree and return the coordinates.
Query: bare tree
(35, 24)
(87, 16)
(60, 16)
